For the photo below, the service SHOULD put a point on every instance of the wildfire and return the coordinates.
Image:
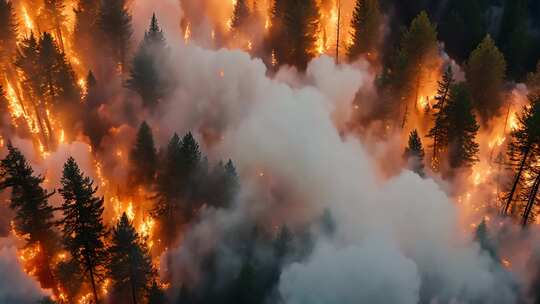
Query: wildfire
(187, 33)
(27, 20)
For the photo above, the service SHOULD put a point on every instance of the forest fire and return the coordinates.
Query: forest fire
(204, 151)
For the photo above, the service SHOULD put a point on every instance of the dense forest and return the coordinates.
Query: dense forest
(107, 203)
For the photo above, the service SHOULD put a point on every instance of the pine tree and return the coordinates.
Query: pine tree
(146, 72)
(143, 157)
(282, 243)
(438, 133)
(301, 22)
(414, 154)
(523, 148)
(418, 50)
(485, 72)
(241, 14)
(295, 25)
(82, 224)
(34, 218)
(190, 156)
(8, 34)
(462, 129)
(156, 294)
(130, 267)
(115, 23)
(365, 28)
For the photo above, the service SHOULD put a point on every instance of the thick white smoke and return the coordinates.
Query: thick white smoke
(15, 285)
(398, 241)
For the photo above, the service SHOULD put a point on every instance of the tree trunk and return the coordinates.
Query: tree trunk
(531, 200)
(92, 280)
(516, 180)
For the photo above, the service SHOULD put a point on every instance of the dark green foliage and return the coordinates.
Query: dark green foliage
(241, 14)
(439, 131)
(130, 265)
(295, 25)
(365, 28)
(82, 224)
(224, 183)
(115, 24)
(147, 68)
(143, 158)
(485, 73)
(462, 129)
(414, 154)
(8, 33)
(34, 218)
(33, 214)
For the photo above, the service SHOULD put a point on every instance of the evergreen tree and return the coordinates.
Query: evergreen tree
(414, 154)
(241, 14)
(168, 192)
(34, 218)
(156, 294)
(462, 129)
(439, 131)
(58, 79)
(485, 72)
(115, 23)
(414, 61)
(8, 34)
(533, 81)
(365, 28)
(143, 157)
(190, 156)
(146, 75)
(523, 150)
(82, 224)
(295, 25)
(130, 267)
(224, 182)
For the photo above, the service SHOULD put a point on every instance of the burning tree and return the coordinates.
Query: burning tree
(523, 154)
(365, 28)
(82, 224)
(34, 219)
(295, 25)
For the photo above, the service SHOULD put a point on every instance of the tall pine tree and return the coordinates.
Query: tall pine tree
(143, 158)
(34, 218)
(147, 76)
(115, 23)
(485, 73)
(462, 129)
(130, 267)
(86, 31)
(414, 154)
(241, 14)
(82, 224)
(365, 28)
(8, 34)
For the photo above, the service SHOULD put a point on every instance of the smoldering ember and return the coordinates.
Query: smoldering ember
(269, 151)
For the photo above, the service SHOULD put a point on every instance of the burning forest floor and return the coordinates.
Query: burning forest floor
(306, 151)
